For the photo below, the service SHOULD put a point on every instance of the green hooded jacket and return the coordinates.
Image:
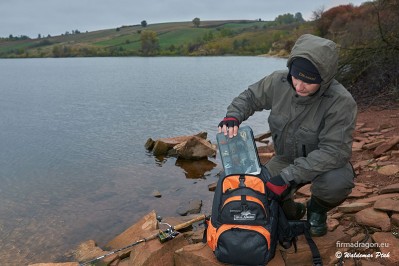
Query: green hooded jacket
(313, 134)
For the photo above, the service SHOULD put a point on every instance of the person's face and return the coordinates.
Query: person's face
(303, 88)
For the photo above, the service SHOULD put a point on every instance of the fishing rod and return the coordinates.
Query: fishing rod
(163, 236)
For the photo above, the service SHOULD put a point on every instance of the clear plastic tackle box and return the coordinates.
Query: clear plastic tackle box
(239, 154)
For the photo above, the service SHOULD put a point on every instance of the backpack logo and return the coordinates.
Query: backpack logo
(245, 216)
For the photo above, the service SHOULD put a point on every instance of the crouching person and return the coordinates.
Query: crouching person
(312, 118)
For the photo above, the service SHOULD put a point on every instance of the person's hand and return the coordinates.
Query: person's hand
(229, 125)
(277, 185)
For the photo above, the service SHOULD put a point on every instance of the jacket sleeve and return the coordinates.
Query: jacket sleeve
(335, 145)
(257, 97)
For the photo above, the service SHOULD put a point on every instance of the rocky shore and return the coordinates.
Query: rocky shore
(364, 230)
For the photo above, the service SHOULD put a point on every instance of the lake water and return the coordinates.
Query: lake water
(73, 165)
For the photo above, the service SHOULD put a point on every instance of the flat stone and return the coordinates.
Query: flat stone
(362, 164)
(354, 207)
(373, 145)
(360, 192)
(366, 129)
(374, 218)
(389, 245)
(375, 198)
(386, 146)
(388, 170)
(390, 204)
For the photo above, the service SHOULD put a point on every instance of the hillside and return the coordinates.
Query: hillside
(175, 38)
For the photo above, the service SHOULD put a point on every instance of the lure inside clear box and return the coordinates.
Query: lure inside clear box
(239, 154)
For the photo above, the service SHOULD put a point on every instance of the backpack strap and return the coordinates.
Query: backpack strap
(316, 258)
(303, 227)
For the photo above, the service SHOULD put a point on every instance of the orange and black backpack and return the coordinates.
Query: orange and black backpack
(247, 222)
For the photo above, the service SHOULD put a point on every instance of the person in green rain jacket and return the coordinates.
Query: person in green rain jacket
(312, 119)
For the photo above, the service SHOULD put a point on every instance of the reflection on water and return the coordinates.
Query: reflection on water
(195, 169)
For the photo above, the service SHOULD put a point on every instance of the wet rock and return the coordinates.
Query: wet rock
(354, 207)
(390, 204)
(88, 250)
(190, 207)
(156, 193)
(160, 148)
(149, 145)
(390, 246)
(187, 147)
(212, 187)
(389, 170)
(138, 231)
(374, 218)
(195, 148)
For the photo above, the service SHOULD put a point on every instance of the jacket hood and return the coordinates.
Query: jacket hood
(321, 52)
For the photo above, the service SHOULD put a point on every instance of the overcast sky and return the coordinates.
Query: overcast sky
(54, 17)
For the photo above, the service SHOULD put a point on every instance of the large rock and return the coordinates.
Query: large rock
(200, 254)
(374, 218)
(390, 204)
(388, 170)
(139, 230)
(375, 198)
(187, 147)
(389, 246)
(390, 189)
(156, 253)
(88, 250)
(195, 148)
(327, 247)
(195, 255)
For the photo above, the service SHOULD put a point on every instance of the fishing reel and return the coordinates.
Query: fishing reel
(168, 234)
